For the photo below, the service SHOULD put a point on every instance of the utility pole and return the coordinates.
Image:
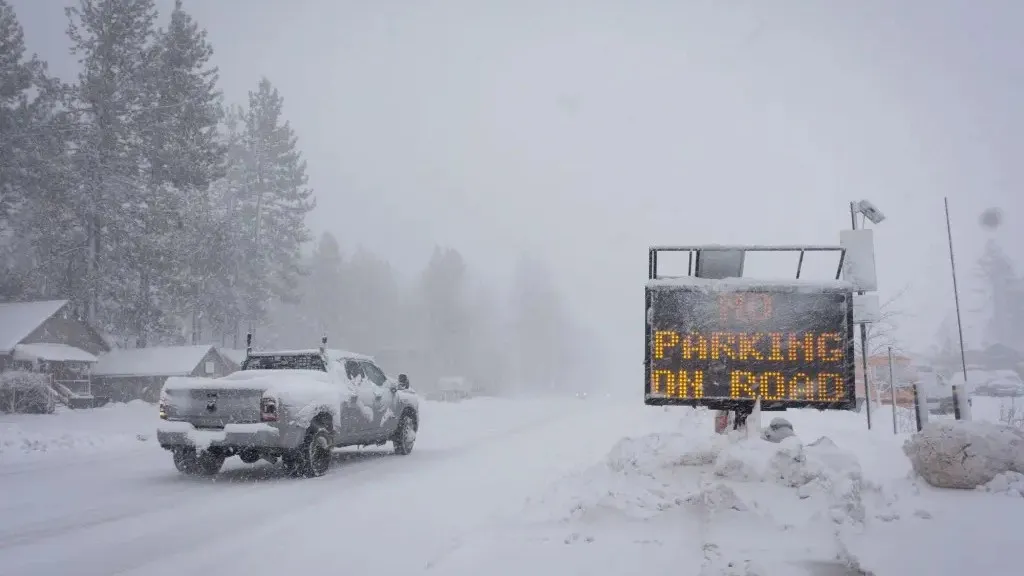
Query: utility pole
(863, 335)
(959, 325)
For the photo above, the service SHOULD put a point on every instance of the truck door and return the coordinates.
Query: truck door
(354, 417)
(384, 418)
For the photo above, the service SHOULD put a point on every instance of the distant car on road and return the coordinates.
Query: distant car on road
(295, 406)
(995, 383)
(451, 389)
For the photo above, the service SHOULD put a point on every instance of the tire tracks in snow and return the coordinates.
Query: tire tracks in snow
(146, 526)
(362, 507)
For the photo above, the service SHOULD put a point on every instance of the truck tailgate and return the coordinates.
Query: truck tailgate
(213, 407)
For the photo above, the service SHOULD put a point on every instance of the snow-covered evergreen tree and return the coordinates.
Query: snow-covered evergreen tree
(324, 288)
(541, 328)
(272, 201)
(222, 301)
(372, 303)
(1003, 296)
(35, 227)
(113, 40)
(16, 79)
(443, 288)
(184, 156)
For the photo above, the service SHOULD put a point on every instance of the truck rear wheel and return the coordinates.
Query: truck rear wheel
(189, 461)
(313, 457)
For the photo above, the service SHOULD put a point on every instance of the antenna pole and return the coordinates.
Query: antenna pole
(863, 336)
(956, 299)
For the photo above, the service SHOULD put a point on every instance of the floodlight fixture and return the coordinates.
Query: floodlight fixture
(870, 211)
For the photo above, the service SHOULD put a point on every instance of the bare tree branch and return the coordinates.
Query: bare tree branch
(883, 334)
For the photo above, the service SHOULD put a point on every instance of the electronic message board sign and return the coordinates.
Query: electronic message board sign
(789, 345)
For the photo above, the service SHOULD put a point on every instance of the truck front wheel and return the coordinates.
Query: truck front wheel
(405, 435)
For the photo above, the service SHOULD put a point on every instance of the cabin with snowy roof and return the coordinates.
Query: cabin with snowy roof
(233, 355)
(139, 373)
(47, 337)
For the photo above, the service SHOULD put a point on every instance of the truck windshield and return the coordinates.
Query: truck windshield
(285, 362)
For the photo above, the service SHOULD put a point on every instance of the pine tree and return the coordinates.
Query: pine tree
(320, 309)
(184, 156)
(541, 327)
(223, 294)
(323, 295)
(443, 287)
(16, 79)
(35, 227)
(273, 202)
(371, 302)
(113, 39)
(485, 356)
(1003, 293)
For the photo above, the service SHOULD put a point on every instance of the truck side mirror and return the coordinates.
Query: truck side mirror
(403, 382)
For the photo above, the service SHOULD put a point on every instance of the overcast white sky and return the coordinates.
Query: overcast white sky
(587, 130)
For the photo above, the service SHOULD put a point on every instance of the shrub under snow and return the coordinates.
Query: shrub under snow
(963, 454)
(25, 392)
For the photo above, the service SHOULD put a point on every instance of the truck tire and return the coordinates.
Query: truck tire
(405, 435)
(313, 457)
(193, 463)
(249, 456)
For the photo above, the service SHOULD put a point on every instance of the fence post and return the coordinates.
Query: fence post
(956, 402)
(920, 407)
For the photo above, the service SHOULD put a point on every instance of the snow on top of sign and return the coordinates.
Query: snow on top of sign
(741, 284)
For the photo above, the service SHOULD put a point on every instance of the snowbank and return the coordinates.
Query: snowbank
(112, 427)
(834, 498)
(962, 454)
(735, 505)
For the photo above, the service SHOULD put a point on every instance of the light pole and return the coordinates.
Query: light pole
(959, 326)
(869, 211)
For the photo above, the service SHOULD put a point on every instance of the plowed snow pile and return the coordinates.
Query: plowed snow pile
(966, 455)
(834, 499)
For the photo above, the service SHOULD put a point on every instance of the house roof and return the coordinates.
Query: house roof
(52, 352)
(19, 319)
(233, 354)
(158, 361)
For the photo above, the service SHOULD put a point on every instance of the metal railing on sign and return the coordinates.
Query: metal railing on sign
(695, 252)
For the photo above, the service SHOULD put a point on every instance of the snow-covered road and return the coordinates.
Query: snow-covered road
(127, 511)
(499, 487)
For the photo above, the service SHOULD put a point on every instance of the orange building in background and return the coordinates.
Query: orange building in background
(904, 374)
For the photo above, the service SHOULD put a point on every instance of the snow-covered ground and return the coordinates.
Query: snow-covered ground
(498, 487)
(75, 433)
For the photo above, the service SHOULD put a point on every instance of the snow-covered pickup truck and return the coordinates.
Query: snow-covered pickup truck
(293, 405)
